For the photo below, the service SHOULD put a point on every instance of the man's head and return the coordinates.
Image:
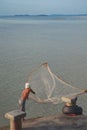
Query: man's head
(27, 85)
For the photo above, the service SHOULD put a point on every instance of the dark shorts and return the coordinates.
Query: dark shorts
(22, 104)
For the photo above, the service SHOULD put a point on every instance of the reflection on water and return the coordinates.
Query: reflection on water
(25, 44)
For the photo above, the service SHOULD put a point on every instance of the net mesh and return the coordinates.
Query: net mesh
(49, 87)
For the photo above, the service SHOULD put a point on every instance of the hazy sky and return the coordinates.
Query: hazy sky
(11, 7)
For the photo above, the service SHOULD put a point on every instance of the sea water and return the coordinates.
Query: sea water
(28, 42)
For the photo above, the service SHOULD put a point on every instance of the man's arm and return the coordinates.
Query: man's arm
(82, 92)
(32, 91)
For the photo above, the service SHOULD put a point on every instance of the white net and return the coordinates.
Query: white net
(48, 87)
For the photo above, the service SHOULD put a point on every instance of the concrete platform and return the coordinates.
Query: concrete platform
(55, 122)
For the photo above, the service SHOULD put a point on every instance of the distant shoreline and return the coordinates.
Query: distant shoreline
(43, 15)
(46, 17)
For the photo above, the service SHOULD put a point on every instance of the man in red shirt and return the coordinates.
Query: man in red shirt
(24, 96)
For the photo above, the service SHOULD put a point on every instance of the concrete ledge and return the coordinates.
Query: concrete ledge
(15, 118)
(14, 115)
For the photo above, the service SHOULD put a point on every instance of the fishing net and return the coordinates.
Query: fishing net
(49, 87)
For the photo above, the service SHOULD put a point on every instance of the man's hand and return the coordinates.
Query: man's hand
(85, 91)
(33, 92)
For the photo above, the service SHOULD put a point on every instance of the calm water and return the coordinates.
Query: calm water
(26, 43)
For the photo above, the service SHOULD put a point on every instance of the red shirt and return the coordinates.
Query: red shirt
(25, 93)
